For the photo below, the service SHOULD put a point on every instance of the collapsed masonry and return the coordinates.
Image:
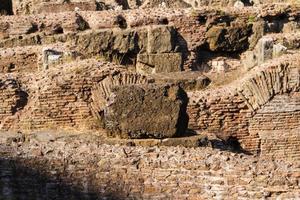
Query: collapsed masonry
(216, 71)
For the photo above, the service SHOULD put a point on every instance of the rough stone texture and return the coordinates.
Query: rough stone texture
(280, 144)
(19, 60)
(153, 111)
(126, 172)
(165, 4)
(50, 7)
(269, 47)
(187, 3)
(281, 113)
(188, 32)
(65, 100)
(229, 111)
(53, 76)
(159, 63)
(228, 39)
(189, 81)
(13, 99)
(160, 40)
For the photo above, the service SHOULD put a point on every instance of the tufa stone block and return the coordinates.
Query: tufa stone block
(161, 39)
(158, 63)
(146, 111)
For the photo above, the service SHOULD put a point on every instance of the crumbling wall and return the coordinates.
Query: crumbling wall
(280, 144)
(233, 111)
(127, 172)
(13, 99)
(19, 60)
(281, 113)
(49, 7)
(69, 100)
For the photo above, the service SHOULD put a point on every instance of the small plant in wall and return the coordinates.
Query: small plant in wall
(251, 19)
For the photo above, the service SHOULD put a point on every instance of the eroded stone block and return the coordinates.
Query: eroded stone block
(146, 111)
(161, 39)
(158, 63)
(228, 39)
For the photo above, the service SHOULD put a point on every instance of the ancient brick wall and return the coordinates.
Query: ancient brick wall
(13, 99)
(281, 113)
(71, 100)
(199, 3)
(63, 7)
(18, 60)
(280, 144)
(257, 2)
(234, 109)
(123, 172)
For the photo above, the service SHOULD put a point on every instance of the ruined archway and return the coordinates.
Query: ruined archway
(231, 111)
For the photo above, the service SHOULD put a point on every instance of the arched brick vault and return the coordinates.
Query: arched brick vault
(230, 110)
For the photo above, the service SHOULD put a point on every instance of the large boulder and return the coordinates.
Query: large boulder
(146, 111)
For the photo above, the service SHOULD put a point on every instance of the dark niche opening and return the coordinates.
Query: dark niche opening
(6, 7)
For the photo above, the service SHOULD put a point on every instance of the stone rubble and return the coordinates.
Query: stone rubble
(150, 99)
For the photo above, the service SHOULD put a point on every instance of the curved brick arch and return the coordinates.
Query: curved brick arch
(259, 89)
(227, 111)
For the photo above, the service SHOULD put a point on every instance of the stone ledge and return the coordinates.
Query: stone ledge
(190, 141)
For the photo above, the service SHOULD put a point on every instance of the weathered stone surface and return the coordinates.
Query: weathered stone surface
(251, 104)
(265, 49)
(249, 59)
(228, 39)
(78, 24)
(13, 99)
(189, 81)
(21, 28)
(124, 41)
(158, 63)
(278, 50)
(184, 141)
(104, 171)
(258, 29)
(129, 41)
(165, 4)
(94, 43)
(149, 111)
(254, 110)
(4, 30)
(51, 7)
(269, 47)
(51, 56)
(161, 39)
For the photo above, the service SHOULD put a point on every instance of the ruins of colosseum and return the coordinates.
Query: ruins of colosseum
(149, 99)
